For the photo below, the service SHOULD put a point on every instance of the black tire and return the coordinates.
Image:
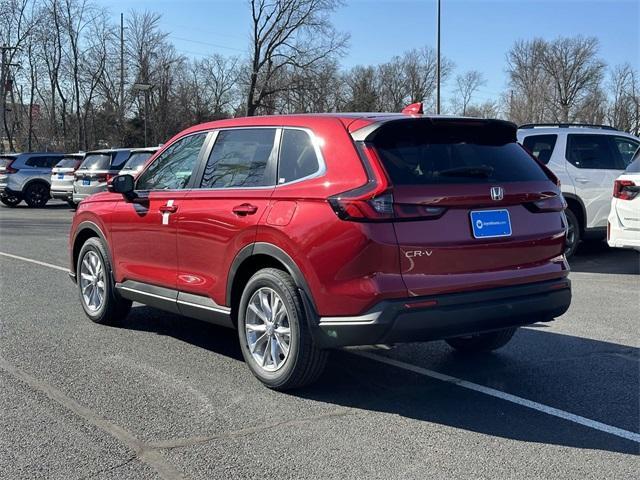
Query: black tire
(72, 204)
(482, 342)
(37, 194)
(113, 309)
(10, 200)
(305, 361)
(573, 233)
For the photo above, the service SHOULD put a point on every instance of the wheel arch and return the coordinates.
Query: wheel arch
(574, 203)
(254, 257)
(84, 232)
(32, 181)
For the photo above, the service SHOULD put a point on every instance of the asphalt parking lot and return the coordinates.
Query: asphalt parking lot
(168, 397)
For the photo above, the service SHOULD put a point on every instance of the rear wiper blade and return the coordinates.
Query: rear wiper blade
(479, 171)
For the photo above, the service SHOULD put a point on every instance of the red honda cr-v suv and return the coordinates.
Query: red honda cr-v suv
(311, 232)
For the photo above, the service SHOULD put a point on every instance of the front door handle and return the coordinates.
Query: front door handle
(245, 209)
(582, 180)
(168, 208)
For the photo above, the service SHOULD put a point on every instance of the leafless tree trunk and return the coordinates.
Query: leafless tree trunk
(466, 86)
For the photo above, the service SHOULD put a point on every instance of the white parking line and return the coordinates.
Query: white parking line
(555, 412)
(540, 407)
(37, 262)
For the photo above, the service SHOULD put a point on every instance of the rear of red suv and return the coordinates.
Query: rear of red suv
(313, 232)
(479, 227)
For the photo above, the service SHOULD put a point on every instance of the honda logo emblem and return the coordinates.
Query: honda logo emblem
(497, 193)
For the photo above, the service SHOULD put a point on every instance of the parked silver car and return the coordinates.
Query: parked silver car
(97, 169)
(26, 176)
(62, 177)
(137, 160)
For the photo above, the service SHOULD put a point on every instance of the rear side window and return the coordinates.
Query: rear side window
(297, 156)
(96, 161)
(239, 159)
(42, 161)
(418, 153)
(592, 152)
(541, 146)
(119, 159)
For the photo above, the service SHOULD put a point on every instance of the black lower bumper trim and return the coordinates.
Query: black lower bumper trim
(437, 317)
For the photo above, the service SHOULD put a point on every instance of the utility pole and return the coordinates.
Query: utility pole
(122, 76)
(438, 65)
(4, 77)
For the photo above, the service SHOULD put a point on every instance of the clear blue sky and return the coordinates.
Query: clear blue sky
(476, 34)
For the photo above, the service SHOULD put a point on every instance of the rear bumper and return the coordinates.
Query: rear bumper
(436, 317)
(62, 194)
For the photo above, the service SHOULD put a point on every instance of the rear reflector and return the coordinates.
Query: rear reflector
(423, 304)
(625, 189)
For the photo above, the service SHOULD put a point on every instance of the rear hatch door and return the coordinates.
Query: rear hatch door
(491, 211)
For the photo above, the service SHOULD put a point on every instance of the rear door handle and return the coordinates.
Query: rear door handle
(582, 180)
(245, 209)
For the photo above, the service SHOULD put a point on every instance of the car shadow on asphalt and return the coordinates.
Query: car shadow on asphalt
(594, 379)
(598, 257)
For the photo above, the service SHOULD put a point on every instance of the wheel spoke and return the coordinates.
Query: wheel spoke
(267, 352)
(259, 313)
(265, 304)
(283, 331)
(275, 358)
(282, 344)
(255, 327)
(252, 346)
(86, 276)
(275, 306)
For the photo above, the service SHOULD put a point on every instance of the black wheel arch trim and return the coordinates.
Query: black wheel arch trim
(36, 180)
(268, 249)
(83, 226)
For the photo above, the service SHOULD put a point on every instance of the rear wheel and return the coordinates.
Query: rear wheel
(274, 335)
(98, 296)
(573, 233)
(482, 342)
(72, 204)
(37, 194)
(10, 199)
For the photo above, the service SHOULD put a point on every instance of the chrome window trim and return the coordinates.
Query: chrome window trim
(322, 166)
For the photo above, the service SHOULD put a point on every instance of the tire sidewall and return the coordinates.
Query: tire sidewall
(94, 245)
(30, 201)
(295, 316)
(572, 220)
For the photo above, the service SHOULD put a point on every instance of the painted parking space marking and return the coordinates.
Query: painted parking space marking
(530, 404)
(37, 262)
(492, 392)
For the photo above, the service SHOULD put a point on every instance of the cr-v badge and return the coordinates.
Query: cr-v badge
(497, 193)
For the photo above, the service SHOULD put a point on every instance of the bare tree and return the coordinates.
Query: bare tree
(624, 110)
(467, 84)
(575, 71)
(287, 33)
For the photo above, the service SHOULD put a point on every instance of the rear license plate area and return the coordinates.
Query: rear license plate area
(490, 223)
(86, 181)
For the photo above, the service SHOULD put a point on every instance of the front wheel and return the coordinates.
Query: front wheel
(98, 297)
(573, 234)
(482, 342)
(274, 336)
(10, 200)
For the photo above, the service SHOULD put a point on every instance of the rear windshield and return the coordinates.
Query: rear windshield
(421, 153)
(96, 161)
(136, 160)
(69, 162)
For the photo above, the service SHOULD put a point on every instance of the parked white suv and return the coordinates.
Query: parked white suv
(587, 159)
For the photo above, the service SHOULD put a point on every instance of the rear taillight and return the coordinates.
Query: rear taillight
(373, 201)
(625, 189)
(8, 169)
(553, 203)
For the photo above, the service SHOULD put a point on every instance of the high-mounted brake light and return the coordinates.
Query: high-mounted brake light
(414, 109)
(373, 201)
(625, 189)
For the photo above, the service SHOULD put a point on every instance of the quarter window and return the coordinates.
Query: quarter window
(297, 156)
(239, 159)
(592, 152)
(173, 168)
(541, 146)
(626, 148)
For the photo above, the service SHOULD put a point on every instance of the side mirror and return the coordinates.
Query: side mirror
(123, 184)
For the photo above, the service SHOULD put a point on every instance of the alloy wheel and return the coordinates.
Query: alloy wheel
(267, 329)
(92, 281)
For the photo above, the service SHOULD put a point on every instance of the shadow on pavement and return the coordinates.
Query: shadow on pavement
(594, 379)
(598, 257)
